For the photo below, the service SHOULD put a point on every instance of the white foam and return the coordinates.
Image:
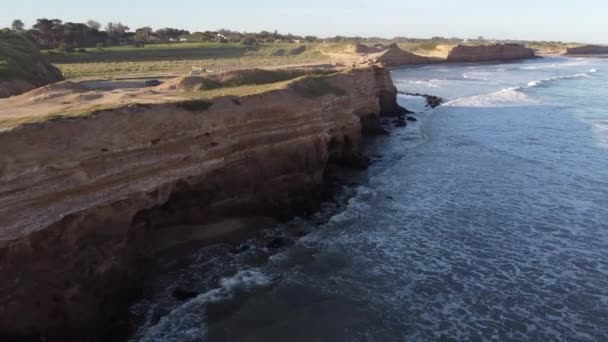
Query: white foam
(187, 322)
(476, 75)
(357, 206)
(503, 98)
(555, 78)
(593, 71)
(245, 279)
(427, 83)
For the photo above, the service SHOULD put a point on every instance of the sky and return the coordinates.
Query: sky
(562, 20)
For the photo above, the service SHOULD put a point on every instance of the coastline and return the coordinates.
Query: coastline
(342, 147)
(128, 182)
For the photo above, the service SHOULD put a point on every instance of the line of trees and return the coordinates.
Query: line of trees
(56, 34)
(67, 36)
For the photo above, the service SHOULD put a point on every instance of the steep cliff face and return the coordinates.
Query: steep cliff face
(79, 196)
(394, 56)
(588, 50)
(22, 66)
(489, 53)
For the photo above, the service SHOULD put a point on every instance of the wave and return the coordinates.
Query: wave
(502, 98)
(426, 83)
(510, 96)
(555, 78)
(476, 75)
(187, 322)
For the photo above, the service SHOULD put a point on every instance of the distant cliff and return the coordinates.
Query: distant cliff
(81, 196)
(588, 50)
(489, 53)
(22, 66)
(394, 56)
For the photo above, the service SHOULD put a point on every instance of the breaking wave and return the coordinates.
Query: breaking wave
(502, 98)
(187, 322)
(555, 78)
(513, 96)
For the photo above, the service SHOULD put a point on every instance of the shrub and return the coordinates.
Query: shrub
(249, 41)
(65, 47)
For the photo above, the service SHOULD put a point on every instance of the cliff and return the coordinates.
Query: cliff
(394, 56)
(22, 66)
(81, 194)
(489, 53)
(588, 50)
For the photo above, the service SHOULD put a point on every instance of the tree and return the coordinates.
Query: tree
(168, 33)
(116, 30)
(94, 25)
(42, 32)
(143, 34)
(249, 41)
(17, 26)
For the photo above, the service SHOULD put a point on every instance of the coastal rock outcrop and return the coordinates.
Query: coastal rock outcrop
(394, 56)
(80, 196)
(588, 50)
(489, 53)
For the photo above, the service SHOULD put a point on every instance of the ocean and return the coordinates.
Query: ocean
(485, 220)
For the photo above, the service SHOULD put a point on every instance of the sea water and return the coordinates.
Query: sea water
(485, 220)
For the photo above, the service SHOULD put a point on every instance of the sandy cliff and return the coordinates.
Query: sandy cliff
(79, 196)
(588, 50)
(395, 56)
(489, 53)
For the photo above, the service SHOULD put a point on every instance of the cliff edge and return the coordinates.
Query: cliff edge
(588, 50)
(489, 53)
(80, 195)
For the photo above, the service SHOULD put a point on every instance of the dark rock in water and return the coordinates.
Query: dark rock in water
(400, 122)
(375, 130)
(431, 100)
(411, 118)
(277, 243)
(240, 249)
(403, 110)
(354, 160)
(183, 294)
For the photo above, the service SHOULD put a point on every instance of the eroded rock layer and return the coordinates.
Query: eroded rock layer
(588, 50)
(79, 196)
(490, 53)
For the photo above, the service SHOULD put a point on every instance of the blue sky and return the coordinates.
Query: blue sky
(567, 20)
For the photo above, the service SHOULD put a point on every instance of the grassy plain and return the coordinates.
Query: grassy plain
(179, 58)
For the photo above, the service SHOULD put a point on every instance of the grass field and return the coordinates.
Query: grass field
(179, 58)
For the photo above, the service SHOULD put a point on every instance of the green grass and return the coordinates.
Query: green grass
(179, 58)
(17, 55)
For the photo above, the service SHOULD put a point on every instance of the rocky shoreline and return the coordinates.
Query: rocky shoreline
(80, 210)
